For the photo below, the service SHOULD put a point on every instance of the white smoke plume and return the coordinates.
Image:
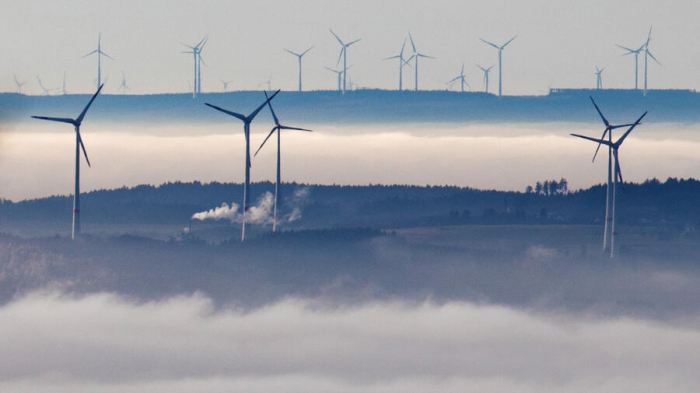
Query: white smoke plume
(261, 213)
(299, 199)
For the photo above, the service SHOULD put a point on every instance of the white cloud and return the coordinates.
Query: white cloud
(104, 343)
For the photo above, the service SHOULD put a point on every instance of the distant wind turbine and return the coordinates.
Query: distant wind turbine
(195, 52)
(500, 62)
(608, 198)
(299, 56)
(462, 79)
(402, 62)
(634, 52)
(344, 55)
(99, 59)
(599, 78)
(123, 86)
(19, 85)
(278, 185)
(78, 146)
(246, 130)
(618, 172)
(64, 83)
(340, 76)
(415, 58)
(225, 83)
(46, 91)
(486, 76)
(647, 54)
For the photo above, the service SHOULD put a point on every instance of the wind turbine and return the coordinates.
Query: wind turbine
(278, 185)
(462, 79)
(99, 59)
(402, 62)
(123, 85)
(46, 91)
(647, 54)
(246, 130)
(195, 52)
(199, 66)
(299, 56)
(225, 83)
(634, 52)
(486, 76)
(599, 78)
(64, 83)
(343, 55)
(618, 172)
(415, 57)
(78, 146)
(19, 85)
(500, 63)
(340, 76)
(608, 196)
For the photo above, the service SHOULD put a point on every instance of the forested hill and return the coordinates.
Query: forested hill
(673, 204)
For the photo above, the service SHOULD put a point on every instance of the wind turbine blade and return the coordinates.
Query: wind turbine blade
(426, 56)
(277, 122)
(599, 112)
(626, 48)
(592, 139)
(294, 128)
(403, 47)
(295, 54)
(462, 74)
(480, 67)
(598, 148)
(393, 57)
(336, 37)
(619, 141)
(59, 119)
(413, 45)
(456, 78)
(106, 55)
(255, 112)
(494, 45)
(509, 41)
(234, 114)
(82, 145)
(410, 58)
(82, 115)
(206, 40)
(618, 170)
(621, 126)
(189, 52)
(201, 42)
(340, 56)
(306, 51)
(330, 69)
(189, 46)
(95, 51)
(268, 137)
(652, 56)
(353, 42)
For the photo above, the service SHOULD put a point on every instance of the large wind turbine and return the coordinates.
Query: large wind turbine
(246, 130)
(608, 196)
(599, 78)
(299, 56)
(225, 83)
(415, 57)
(99, 59)
(195, 52)
(344, 55)
(634, 52)
(500, 63)
(618, 172)
(78, 146)
(19, 85)
(486, 76)
(278, 185)
(402, 62)
(647, 54)
(462, 79)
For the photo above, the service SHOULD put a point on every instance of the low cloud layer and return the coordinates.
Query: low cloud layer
(104, 343)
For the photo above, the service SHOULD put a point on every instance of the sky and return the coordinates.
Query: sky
(559, 43)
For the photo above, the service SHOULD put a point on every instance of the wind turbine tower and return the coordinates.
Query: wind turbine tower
(99, 59)
(195, 52)
(486, 77)
(599, 78)
(299, 56)
(415, 58)
(613, 146)
(402, 62)
(78, 146)
(344, 56)
(500, 62)
(634, 52)
(278, 185)
(246, 130)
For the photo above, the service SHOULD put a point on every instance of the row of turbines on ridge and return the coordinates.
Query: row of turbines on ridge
(342, 72)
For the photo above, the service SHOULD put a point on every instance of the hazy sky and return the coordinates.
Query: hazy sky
(559, 42)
